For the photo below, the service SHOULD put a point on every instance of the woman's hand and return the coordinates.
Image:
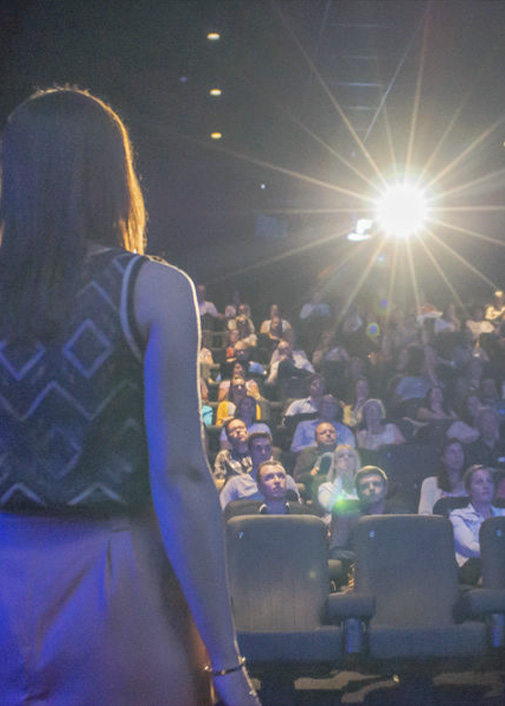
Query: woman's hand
(236, 689)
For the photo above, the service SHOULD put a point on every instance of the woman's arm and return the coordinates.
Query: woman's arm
(184, 496)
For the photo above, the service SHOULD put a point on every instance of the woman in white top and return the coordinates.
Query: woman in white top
(466, 521)
(449, 482)
(374, 434)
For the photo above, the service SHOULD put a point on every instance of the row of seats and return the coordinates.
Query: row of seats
(407, 615)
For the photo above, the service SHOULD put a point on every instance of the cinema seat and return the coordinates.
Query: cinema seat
(422, 623)
(288, 624)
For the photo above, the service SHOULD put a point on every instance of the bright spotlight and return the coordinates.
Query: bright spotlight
(402, 210)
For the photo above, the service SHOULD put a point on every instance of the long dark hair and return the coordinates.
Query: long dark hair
(66, 177)
(443, 477)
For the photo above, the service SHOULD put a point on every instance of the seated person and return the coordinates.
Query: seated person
(244, 325)
(307, 405)
(448, 482)
(273, 485)
(329, 351)
(239, 369)
(315, 308)
(435, 407)
(275, 334)
(352, 411)
(274, 313)
(231, 309)
(371, 485)
(226, 408)
(235, 460)
(243, 354)
(466, 521)
(205, 307)
(305, 432)
(340, 479)
(477, 324)
(232, 340)
(287, 362)
(309, 458)
(245, 328)
(413, 386)
(489, 448)
(495, 311)
(465, 428)
(247, 411)
(374, 434)
(246, 485)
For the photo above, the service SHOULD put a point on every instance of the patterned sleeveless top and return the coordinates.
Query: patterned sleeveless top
(72, 433)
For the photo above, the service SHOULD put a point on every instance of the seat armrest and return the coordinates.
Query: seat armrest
(353, 611)
(480, 602)
(341, 606)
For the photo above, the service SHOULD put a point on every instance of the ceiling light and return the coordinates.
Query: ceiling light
(216, 135)
(213, 36)
(215, 91)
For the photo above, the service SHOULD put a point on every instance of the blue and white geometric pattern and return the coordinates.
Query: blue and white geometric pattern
(71, 414)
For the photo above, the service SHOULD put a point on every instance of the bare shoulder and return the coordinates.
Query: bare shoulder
(163, 293)
(156, 274)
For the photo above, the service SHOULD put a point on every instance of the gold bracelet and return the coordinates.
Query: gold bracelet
(223, 672)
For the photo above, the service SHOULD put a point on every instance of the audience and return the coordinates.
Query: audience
(444, 376)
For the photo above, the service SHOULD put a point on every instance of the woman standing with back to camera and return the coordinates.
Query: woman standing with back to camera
(110, 527)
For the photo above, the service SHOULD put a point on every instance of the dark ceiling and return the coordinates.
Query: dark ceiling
(322, 101)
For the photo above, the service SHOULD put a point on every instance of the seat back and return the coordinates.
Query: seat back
(278, 571)
(492, 551)
(407, 562)
(446, 505)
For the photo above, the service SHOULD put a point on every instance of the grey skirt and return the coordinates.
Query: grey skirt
(91, 614)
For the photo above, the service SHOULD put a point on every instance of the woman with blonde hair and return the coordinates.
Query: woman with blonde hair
(343, 466)
(110, 526)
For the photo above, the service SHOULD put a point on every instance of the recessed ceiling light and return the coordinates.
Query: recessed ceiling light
(215, 91)
(216, 135)
(213, 36)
